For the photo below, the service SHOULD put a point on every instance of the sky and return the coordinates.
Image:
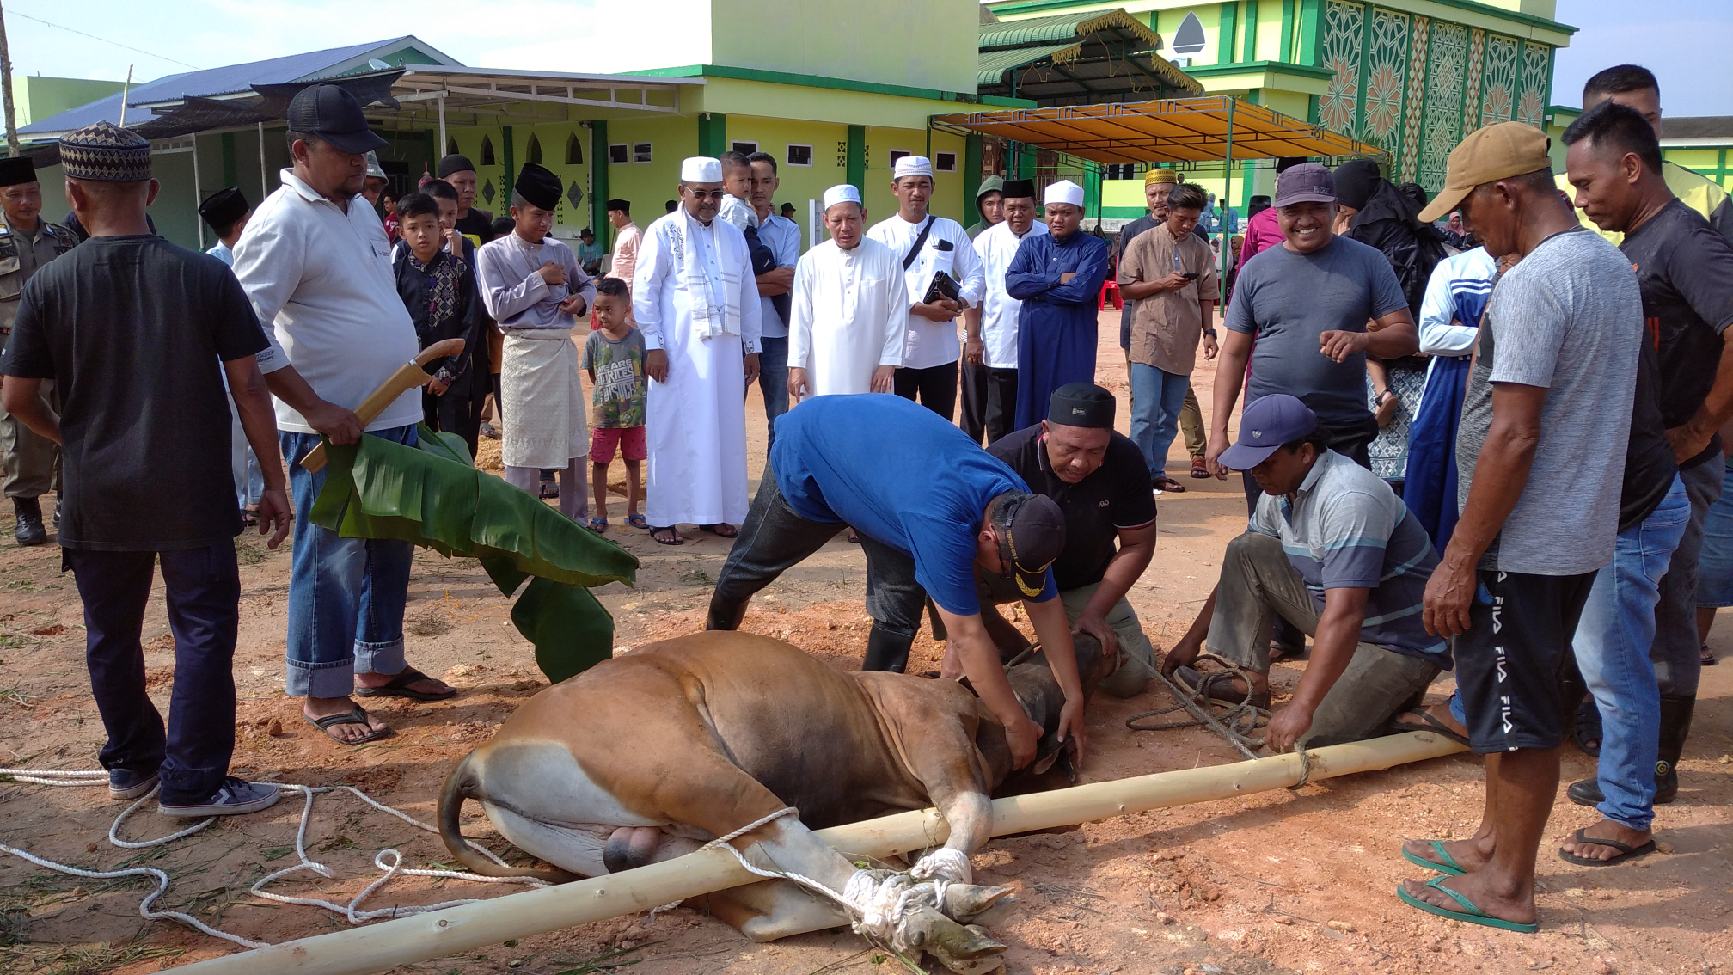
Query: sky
(1685, 42)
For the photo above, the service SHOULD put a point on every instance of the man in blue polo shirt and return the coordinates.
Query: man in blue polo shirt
(1332, 550)
(930, 506)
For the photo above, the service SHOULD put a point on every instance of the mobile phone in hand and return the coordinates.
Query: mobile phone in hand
(1190, 275)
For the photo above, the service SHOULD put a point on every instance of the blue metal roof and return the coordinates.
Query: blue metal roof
(211, 82)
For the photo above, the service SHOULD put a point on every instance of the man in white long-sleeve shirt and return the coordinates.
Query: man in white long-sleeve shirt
(926, 245)
(992, 328)
(696, 302)
(534, 288)
(849, 306)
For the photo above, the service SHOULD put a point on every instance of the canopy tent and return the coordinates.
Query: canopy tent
(1173, 130)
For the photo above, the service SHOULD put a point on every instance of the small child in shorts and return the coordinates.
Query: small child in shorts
(614, 359)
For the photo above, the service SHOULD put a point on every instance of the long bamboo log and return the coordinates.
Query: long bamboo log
(418, 938)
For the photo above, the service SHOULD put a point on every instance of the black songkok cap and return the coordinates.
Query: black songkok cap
(222, 208)
(1081, 405)
(539, 186)
(455, 163)
(17, 169)
(1018, 189)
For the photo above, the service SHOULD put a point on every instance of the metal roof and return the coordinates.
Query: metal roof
(1698, 127)
(547, 95)
(1176, 130)
(227, 80)
(1080, 57)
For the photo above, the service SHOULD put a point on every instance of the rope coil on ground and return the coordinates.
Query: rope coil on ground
(1235, 723)
(388, 861)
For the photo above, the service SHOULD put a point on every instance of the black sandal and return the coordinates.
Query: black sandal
(1706, 656)
(398, 686)
(667, 535)
(1626, 851)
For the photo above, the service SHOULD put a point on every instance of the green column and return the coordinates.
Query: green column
(1287, 31)
(972, 149)
(1225, 40)
(599, 182)
(1028, 161)
(509, 179)
(1249, 49)
(857, 161)
(1311, 31)
(1092, 189)
(712, 134)
(230, 169)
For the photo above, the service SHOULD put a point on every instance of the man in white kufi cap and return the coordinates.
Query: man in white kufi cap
(924, 246)
(850, 309)
(1057, 276)
(696, 302)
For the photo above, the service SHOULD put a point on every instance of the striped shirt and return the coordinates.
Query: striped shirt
(1345, 529)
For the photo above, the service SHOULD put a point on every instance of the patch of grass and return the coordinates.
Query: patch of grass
(87, 959)
(12, 641)
(696, 577)
(611, 960)
(338, 843)
(433, 623)
(275, 853)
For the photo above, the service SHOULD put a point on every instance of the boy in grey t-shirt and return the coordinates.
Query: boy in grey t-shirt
(1543, 454)
(614, 358)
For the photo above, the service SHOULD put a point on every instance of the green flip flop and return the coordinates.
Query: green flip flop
(1469, 914)
(1445, 864)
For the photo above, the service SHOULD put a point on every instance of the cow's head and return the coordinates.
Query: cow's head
(1036, 689)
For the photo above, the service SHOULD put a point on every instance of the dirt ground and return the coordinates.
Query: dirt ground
(1285, 881)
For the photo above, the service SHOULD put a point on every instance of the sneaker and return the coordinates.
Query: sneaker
(127, 784)
(233, 798)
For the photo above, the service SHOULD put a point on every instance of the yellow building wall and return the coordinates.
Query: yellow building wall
(800, 184)
(947, 198)
(553, 139)
(1694, 158)
(885, 41)
(1269, 42)
(649, 185)
(733, 96)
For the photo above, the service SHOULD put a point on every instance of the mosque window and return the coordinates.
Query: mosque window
(574, 150)
(799, 155)
(619, 154)
(945, 162)
(487, 151)
(533, 151)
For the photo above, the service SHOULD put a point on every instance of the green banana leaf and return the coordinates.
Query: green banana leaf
(430, 495)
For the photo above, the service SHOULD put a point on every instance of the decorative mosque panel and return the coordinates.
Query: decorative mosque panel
(1443, 113)
(1387, 64)
(1407, 164)
(1344, 25)
(1471, 87)
(1499, 104)
(1536, 61)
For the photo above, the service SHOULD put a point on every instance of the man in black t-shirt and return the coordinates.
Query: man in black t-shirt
(1101, 484)
(138, 334)
(1685, 273)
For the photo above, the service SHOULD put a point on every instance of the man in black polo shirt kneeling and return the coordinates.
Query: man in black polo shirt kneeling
(1101, 483)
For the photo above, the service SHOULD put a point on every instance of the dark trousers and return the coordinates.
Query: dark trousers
(204, 592)
(455, 412)
(936, 387)
(989, 402)
(1354, 443)
(775, 539)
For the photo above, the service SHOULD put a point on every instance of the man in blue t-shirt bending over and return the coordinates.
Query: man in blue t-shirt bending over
(930, 506)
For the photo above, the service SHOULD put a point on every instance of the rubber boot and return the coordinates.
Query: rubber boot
(1675, 726)
(887, 650)
(28, 514)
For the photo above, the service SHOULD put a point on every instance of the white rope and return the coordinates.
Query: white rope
(388, 861)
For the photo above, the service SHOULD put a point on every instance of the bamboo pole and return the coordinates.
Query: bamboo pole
(411, 939)
(411, 375)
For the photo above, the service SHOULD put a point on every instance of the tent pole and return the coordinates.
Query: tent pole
(440, 101)
(198, 195)
(264, 187)
(1227, 196)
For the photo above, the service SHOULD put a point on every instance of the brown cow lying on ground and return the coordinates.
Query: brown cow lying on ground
(649, 756)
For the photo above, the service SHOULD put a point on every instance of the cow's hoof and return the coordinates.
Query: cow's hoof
(966, 902)
(966, 949)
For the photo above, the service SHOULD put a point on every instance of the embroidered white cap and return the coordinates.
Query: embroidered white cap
(701, 169)
(912, 166)
(840, 194)
(1064, 191)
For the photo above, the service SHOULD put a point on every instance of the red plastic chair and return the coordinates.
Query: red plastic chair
(1110, 292)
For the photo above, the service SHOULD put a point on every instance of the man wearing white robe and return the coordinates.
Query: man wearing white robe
(696, 302)
(992, 329)
(849, 308)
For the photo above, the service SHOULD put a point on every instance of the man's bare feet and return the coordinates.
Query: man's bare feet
(1581, 843)
(348, 733)
(1493, 896)
(1469, 855)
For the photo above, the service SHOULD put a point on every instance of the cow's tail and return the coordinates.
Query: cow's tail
(463, 783)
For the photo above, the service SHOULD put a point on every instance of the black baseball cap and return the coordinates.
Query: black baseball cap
(335, 115)
(1031, 531)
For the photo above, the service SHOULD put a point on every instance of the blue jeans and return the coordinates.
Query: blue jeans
(203, 591)
(1715, 561)
(346, 595)
(1157, 397)
(1612, 650)
(773, 381)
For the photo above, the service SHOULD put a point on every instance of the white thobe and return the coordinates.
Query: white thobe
(995, 247)
(948, 248)
(847, 316)
(695, 421)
